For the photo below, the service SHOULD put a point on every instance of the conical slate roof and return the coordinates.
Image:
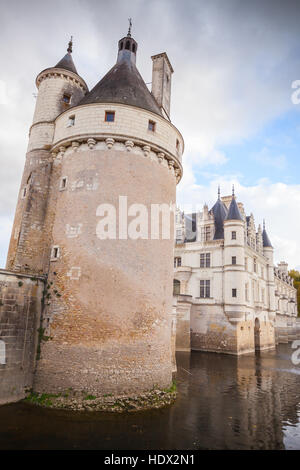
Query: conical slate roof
(266, 240)
(123, 84)
(67, 63)
(219, 211)
(234, 212)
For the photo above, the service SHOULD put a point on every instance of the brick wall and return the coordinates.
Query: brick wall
(20, 312)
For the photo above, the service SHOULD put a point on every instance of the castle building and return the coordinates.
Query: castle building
(106, 318)
(228, 295)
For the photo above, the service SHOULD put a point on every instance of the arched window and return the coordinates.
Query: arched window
(127, 45)
(176, 287)
(133, 47)
(121, 46)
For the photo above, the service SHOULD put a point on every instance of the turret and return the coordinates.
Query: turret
(268, 252)
(234, 265)
(59, 88)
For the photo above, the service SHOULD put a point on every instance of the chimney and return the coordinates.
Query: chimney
(161, 82)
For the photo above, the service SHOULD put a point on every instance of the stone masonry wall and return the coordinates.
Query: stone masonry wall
(20, 312)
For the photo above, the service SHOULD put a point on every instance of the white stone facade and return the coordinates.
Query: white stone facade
(236, 300)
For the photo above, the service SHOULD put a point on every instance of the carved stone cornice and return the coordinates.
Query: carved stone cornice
(162, 158)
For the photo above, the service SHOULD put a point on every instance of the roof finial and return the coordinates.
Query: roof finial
(219, 192)
(233, 190)
(129, 29)
(70, 46)
(264, 224)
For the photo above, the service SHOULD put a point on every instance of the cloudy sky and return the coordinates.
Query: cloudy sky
(234, 61)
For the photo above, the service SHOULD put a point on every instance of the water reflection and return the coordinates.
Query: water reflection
(251, 402)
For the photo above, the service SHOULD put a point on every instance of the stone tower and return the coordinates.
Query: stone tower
(234, 263)
(59, 88)
(108, 302)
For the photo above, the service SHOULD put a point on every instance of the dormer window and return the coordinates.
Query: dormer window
(109, 116)
(71, 121)
(151, 126)
(66, 98)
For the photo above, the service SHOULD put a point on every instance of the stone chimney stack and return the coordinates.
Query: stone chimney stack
(161, 82)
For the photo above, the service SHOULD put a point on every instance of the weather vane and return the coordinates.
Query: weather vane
(129, 29)
(70, 45)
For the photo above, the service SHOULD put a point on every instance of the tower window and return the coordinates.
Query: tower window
(151, 126)
(204, 289)
(66, 98)
(121, 46)
(63, 183)
(127, 45)
(234, 292)
(109, 116)
(233, 260)
(133, 47)
(54, 253)
(233, 235)
(71, 121)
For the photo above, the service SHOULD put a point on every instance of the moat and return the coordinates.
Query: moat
(224, 402)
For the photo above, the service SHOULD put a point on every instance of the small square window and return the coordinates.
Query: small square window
(66, 98)
(234, 292)
(233, 235)
(109, 116)
(233, 260)
(71, 121)
(151, 126)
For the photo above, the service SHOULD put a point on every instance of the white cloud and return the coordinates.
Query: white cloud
(277, 203)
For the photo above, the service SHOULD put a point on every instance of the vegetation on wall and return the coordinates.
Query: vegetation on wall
(296, 276)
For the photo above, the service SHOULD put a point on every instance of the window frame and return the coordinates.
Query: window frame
(107, 113)
(151, 123)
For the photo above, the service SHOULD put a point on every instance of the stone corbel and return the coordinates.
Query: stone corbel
(109, 142)
(161, 157)
(61, 151)
(129, 144)
(171, 166)
(75, 145)
(91, 143)
(146, 150)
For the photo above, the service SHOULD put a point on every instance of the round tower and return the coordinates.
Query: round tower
(268, 252)
(234, 263)
(59, 88)
(109, 302)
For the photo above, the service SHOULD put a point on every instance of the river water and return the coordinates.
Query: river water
(224, 402)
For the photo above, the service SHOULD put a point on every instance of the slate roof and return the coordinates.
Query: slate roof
(234, 212)
(266, 240)
(123, 84)
(219, 211)
(67, 63)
